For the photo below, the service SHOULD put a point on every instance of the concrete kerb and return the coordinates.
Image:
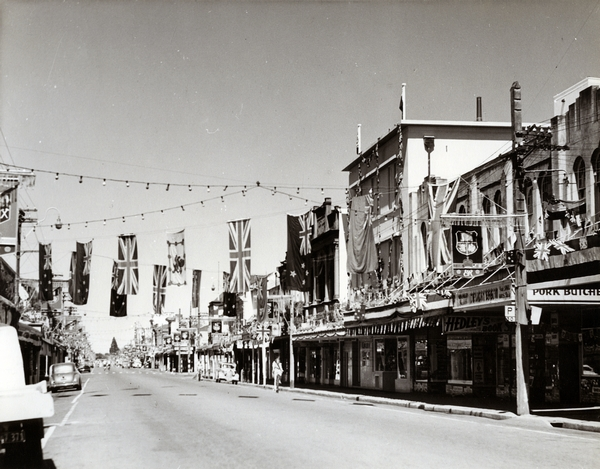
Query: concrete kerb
(449, 409)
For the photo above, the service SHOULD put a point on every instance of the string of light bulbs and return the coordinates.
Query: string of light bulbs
(181, 207)
(166, 185)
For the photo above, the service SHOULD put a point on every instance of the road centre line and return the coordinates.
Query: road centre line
(81, 392)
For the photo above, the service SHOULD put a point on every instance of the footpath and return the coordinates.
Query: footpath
(584, 418)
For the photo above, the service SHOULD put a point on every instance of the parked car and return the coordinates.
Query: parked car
(64, 376)
(227, 372)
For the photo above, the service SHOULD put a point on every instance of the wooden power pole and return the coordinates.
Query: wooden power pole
(521, 322)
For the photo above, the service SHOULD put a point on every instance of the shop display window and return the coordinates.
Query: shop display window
(365, 354)
(591, 352)
(403, 357)
(379, 355)
(385, 355)
(460, 354)
(421, 359)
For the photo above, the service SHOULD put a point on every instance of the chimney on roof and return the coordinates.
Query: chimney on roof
(479, 119)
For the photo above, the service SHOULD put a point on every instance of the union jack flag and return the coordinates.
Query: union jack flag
(128, 265)
(160, 288)
(239, 255)
(87, 258)
(305, 233)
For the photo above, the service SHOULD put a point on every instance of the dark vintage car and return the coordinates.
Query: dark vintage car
(85, 369)
(64, 376)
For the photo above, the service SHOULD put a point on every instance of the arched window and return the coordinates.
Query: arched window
(425, 258)
(579, 172)
(486, 205)
(545, 186)
(462, 209)
(498, 203)
(596, 169)
(529, 207)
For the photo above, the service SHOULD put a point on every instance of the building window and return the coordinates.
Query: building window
(529, 206)
(460, 357)
(403, 357)
(486, 205)
(579, 171)
(596, 169)
(421, 359)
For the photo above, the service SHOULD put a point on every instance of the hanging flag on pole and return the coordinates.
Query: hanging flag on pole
(298, 256)
(118, 303)
(239, 255)
(196, 277)
(81, 261)
(226, 281)
(45, 272)
(261, 299)
(128, 265)
(362, 253)
(229, 304)
(159, 292)
(176, 255)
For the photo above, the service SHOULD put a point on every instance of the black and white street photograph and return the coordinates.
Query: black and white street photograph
(299, 234)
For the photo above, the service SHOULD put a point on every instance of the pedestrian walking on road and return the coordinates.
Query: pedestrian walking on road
(277, 372)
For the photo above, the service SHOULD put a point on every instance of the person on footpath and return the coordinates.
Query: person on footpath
(277, 370)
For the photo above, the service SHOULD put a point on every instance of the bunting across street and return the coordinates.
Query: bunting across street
(127, 265)
(239, 255)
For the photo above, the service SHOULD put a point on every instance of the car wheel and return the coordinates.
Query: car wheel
(79, 387)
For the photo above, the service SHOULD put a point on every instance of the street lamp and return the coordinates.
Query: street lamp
(58, 225)
(429, 143)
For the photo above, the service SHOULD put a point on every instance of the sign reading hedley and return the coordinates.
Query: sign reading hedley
(474, 324)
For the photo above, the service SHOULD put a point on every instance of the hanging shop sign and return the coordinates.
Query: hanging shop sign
(467, 251)
(481, 295)
(9, 214)
(571, 295)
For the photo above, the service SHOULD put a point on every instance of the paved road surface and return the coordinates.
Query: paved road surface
(146, 419)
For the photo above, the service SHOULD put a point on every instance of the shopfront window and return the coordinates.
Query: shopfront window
(365, 354)
(385, 355)
(403, 357)
(379, 355)
(460, 355)
(421, 359)
(591, 352)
